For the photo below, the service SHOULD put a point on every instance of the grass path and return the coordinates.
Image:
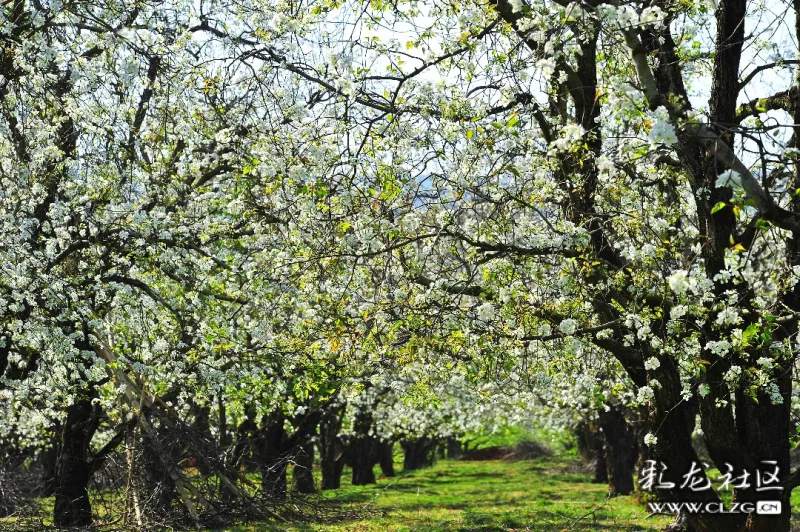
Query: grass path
(538, 495)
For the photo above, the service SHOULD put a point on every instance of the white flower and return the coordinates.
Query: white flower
(728, 316)
(410, 222)
(651, 364)
(679, 281)
(604, 164)
(677, 312)
(223, 136)
(517, 5)
(733, 375)
(719, 348)
(765, 362)
(703, 390)
(645, 394)
(774, 392)
(571, 134)
(486, 312)
(650, 440)
(662, 133)
(652, 15)
(568, 326)
(729, 178)
(547, 65)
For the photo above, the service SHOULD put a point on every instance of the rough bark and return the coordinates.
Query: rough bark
(363, 451)
(48, 460)
(591, 449)
(418, 453)
(73, 466)
(201, 429)
(272, 444)
(621, 450)
(362, 459)
(160, 451)
(386, 457)
(302, 475)
(332, 457)
(301, 450)
(245, 448)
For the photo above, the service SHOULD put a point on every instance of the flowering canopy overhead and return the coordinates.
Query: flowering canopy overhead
(201, 194)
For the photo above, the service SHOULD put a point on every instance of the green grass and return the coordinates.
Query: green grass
(546, 494)
(538, 495)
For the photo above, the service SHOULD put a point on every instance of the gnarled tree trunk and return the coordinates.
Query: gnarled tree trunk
(454, 448)
(73, 466)
(363, 451)
(332, 450)
(244, 452)
(591, 448)
(302, 476)
(621, 450)
(418, 453)
(386, 458)
(272, 447)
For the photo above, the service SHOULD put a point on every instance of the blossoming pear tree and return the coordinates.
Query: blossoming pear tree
(598, 173)
(131, 217)
(189, 188)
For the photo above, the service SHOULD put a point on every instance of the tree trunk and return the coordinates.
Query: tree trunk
(302, 475)
(454, 450)
(301, 450)
(331, 449)
(227, 455)
(246, 436)
(272, 456)
(600, 465)
(363, 456)
(620, 450)
(201, 432)
(73, 466)
(386, 458)
(332, 464)
(582, 440)
(765, 429)
(363, 450)
(48, 458)
(418, 453)
(160, 450)
(591, 449)
(674, 448)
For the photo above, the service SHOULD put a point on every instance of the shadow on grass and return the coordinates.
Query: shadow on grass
(539, 495)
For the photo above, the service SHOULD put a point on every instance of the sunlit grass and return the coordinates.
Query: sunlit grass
(542, 494)
(546, 494)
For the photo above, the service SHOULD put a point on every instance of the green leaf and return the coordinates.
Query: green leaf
(513, 121)
(718, 207)
(762, 224)
(750, 334)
